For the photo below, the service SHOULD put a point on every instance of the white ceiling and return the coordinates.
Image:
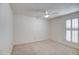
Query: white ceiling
(38, 9)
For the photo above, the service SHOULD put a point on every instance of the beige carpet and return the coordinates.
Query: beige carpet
(45, 47)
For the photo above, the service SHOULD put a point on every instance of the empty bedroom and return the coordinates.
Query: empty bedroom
(39, 28)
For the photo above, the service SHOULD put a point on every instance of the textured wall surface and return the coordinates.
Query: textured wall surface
(29, 29)
(6, 29)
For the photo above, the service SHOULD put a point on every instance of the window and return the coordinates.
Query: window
(72, 30)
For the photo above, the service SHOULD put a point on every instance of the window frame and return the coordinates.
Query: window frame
(72, 29)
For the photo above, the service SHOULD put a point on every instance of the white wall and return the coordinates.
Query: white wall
(57, 29)
(29, 29)
(6, 29)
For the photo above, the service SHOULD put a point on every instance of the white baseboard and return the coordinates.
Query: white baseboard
(76, 46)
(25, 42)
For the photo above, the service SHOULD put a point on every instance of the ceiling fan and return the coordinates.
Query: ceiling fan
(49, 13)
(46, 14)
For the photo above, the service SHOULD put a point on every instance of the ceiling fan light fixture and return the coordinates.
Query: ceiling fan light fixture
(46, 16)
